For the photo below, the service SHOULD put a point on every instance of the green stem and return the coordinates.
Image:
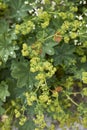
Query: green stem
(75, 93)
(82, 33)
(8, 109)
(37, 89)
(72, 100)
(48, 37)
(84, 36)
(59, 35)
(53, 12)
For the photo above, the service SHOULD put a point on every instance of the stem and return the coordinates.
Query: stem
(54, 12)
(48, 37)
(75, 93)
(82, 33)
(72, 100)
(37, 89)
(84, 36)
(61, 36)
(8, 109)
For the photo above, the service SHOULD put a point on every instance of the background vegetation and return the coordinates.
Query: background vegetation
(43, 63)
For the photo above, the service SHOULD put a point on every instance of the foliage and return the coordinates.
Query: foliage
(43, 63)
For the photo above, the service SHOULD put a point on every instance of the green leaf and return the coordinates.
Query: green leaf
(78, 74)
(41, 35)
(19, 9)
(31, 110)
(20, 71)
(79, 71)
(7, 48)
(48, 47)
(64, 54)
(13, 89)
(1, 108)
(4, 91)
(49, 51)
(3, 26)
(29, 125)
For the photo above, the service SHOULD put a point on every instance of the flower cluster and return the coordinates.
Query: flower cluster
(39, 121)
(30, 97)
(45, 69)
(45, 98)
(69, 30)
(22, 120)
(19, 114)
(25, 51)
(84, 77)
(24, 28)
(44, 17)
(32, 50)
